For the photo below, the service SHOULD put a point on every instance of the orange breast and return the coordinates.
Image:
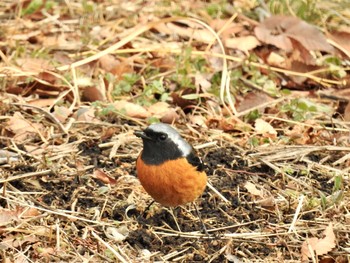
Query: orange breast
(172, 183)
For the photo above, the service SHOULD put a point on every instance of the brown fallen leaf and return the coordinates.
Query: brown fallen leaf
(85, 114)
(21, 127)
(34, 64)
(7, 216)
(93, 93)
(231, 30)
(131, 109)
(319, 246)
(341, 38)
(253, 99)
(158, 109)
(280, 30)
(42, 102)
(102, 176)
(244, 43)
(13, 241)
(62, 113)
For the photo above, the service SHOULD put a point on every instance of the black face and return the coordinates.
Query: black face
(157, 147)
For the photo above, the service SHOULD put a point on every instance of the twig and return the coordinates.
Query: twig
(21, 176)
(296, 214)
(218, 193)
(119, 256)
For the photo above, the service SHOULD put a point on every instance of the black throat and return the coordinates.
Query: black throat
(155, 153)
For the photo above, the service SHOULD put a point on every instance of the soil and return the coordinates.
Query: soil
(155, 230)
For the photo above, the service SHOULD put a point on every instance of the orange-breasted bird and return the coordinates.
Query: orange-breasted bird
(168, 168)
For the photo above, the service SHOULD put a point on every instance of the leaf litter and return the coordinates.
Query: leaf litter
(265, 103)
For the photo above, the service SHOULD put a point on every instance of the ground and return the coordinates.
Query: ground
(259, 88)
(245, 225)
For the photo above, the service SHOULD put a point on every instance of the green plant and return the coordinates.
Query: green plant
(32, 7)
(154, 91)
(305, 9)
(124, 85)
(103, 110)
(304, 109)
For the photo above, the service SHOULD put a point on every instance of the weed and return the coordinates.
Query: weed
(304, 9)
(303, 109)
(123, 86)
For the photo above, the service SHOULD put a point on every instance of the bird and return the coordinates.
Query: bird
(168, 167)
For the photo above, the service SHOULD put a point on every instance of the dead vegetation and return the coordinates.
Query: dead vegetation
(264, 98)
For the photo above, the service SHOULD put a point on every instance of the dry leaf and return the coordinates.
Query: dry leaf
(231, 30)
(201, 81)
(279, 30)
(131, 109)
(320, 246)
(62, 113)
(342, 39)
(347, 112)
(159, 109)
(108, 62)
(102, 176)
(7, 216)
(85, 114)
(108, 132)
(268, 202)
(117, 234)
(265, 128)
(302, 67)
(42, 102)
(163, 111)
(253, 99)
(275, 59)
(251, 188)
(192, 31)
(34, 64)
(244, 43)
(93, 93)
(21, 127)
(12, 241)
(170, 117)
(30, 212)
(198, 120)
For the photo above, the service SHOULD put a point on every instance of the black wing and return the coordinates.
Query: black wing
(193, 159)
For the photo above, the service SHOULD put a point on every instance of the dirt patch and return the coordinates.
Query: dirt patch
(176, 234)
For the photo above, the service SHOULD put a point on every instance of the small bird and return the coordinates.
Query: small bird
(168, 168)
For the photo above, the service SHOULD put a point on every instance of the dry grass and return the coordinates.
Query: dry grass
(55, 207)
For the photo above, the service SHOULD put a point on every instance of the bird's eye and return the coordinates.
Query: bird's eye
(163, 137)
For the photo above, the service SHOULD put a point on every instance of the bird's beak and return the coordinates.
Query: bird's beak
(142, 135)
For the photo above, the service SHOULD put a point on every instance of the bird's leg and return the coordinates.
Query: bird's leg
(145, 211)
(171, 211)
(204, 228)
